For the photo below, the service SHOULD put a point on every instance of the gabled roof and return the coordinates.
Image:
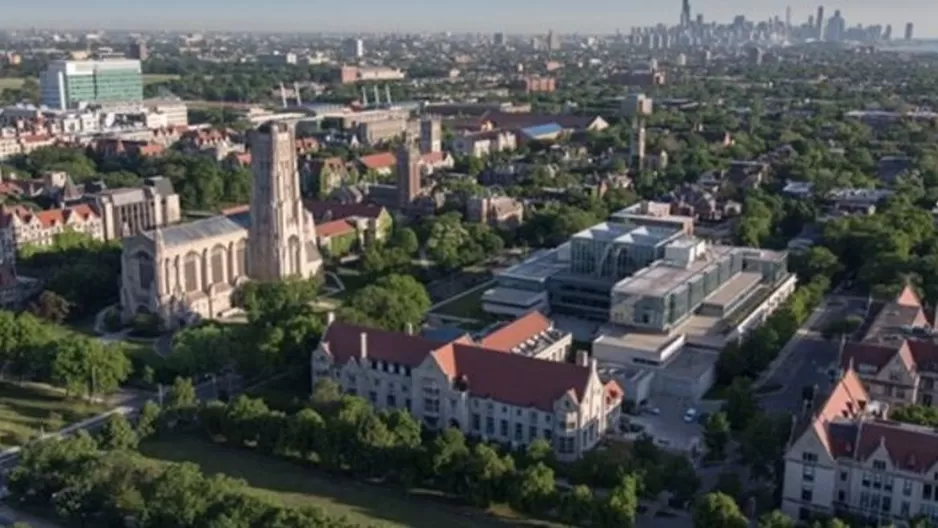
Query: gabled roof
(381, 160)
(343, 341)
(334, 228)
(908, 297)
(513, 379)
(516, 332)
(47, 218)
(858, 355)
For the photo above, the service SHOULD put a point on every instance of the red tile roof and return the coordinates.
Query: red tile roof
(908, 297)
(343, 342)
(382, 160)
(334, 228)
(47, 218)
(236, 209)
(514, 379)
(432, 158)
(516, 332)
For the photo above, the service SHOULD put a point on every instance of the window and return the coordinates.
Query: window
(373, 396)
(866, 480)
(392, 401)
(809, 457)
(806, 494)
(907, 487)
(841, 496)
(532, 433)
(489, 425)
(843, 476)
(864, 500)
(548, 434)
(519, 432)
(476, 421)
(431, 405)
(807, 473)
(905, 509)
(877, 481)
(503, 428)
(887, 484)
(879, 465)
(887, 504)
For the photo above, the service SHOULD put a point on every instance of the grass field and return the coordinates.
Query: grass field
(468, 306)
(11, 82)
(25, 410)
(360, 503)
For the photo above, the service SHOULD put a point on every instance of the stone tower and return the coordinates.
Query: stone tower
(282, 236)
(637, 148)
(408, 173)
(431, 135)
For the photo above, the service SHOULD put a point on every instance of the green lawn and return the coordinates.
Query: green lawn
(11, 82)
(360, 503)
(24, 410)
(468, 306)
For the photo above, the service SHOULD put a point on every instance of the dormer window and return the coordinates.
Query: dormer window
(879, 465)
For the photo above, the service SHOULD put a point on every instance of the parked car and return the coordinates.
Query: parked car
(690, 416)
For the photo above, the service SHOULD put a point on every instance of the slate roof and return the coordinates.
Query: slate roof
(180, 234)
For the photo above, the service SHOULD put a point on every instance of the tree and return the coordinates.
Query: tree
(741, 405)
(393, 302)
(50, 306)
(87, 366)
(535, 489)
(405, 239)
(201, 349)
(762, 443)
(182, 394)
(716, 510)
(118, 434)
(717, 435)
(621, 504)
(577, 506)
(486, 473)
(148, 420)
(776, 519)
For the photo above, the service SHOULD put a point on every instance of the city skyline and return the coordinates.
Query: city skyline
(591, 16)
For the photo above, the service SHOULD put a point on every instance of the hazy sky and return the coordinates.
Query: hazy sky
(438, 15)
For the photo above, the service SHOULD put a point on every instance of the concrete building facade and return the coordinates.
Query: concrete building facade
(130, 211)
(67, 84)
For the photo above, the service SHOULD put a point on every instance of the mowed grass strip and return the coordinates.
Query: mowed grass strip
(25, 410)
(360, 503)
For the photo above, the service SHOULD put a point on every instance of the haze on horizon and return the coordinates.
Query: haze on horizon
(523, 16)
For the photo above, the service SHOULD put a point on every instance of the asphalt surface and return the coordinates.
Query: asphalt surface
(811, 360)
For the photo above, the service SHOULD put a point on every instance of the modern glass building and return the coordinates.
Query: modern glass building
(68, 84)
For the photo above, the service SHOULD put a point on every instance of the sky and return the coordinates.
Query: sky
(523, 16)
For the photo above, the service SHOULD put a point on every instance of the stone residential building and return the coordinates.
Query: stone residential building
(472, 386)
(130, 211)
(190, 271)
(20, 226)
(496, 211)
(848, 459)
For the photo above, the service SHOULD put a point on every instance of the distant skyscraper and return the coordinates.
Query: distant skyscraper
(138, 50)
(909, 30)
(499, 39)
(353, 48)
(887, 34)
(685, 13)
(835, 28)
(819, 23)
(552, 42)
(788, 20)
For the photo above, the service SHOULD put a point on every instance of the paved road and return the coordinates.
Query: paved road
(808, 358)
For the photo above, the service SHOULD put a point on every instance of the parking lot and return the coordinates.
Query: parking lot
(669, 428)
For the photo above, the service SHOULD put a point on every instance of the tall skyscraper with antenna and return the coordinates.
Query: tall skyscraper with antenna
(819, 23)
(685, 13)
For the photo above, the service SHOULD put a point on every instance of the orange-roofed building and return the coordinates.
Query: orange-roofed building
(532, 335)
(848, 458)
(494, 389)
(20, 226)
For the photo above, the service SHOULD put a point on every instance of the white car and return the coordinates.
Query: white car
(690, 416)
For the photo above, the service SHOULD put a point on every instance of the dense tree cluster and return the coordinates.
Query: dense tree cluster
(31, 349)
(78, 270)
(453, 244)
(392, 302)
(87, 482)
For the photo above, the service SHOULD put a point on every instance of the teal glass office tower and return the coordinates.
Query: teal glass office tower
(68, 84)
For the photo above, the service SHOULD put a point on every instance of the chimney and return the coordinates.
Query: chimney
(594, 365)
(363, 349)
(582, 358)
(330, 317)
